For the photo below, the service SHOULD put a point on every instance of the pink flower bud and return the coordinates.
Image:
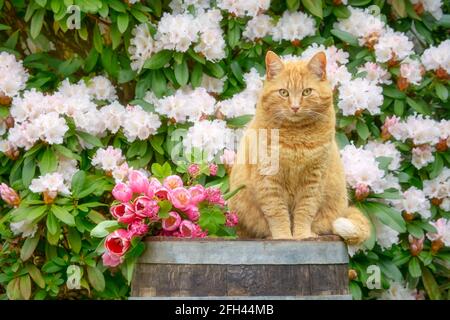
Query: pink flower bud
(146, 207)
(213, 169)
(361, 191)
(198, 193)
(180, 198)
(214, 196)
(192, 213)
(122, 192)
(138, 228)
(188, 229)
(232, 219)
(118, 242)
(111, 260)
(138, 182)
(193, 170)
(172, 222)
(172, 182)
(9, 195)
(123, 212)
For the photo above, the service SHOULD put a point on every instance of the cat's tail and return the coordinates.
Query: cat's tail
(353, 226)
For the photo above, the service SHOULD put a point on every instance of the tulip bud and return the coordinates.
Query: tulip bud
(213, 169)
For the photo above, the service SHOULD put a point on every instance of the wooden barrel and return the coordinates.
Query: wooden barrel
(242, 269)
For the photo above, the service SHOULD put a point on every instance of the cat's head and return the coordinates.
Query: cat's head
(296, 91)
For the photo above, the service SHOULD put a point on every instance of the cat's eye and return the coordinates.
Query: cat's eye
(284, 93)
(306, 92)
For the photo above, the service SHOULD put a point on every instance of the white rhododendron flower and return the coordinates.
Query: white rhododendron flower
(139, 124)
(434, 7)
(393, 46)
(442, 226)
(386, 149)
(108, 159)
(67, 168)
(375, 73)
(212, 84)
(113, 116)
(176, 32)
(420, 129)
(422, 156)
(411, 70)
(211, 42)
(414, 201)
(386, 236)
(243, 8)
(435, 58)
(439, 188)
(258, 27)
(24, 228)
(142, 46)
(209, 137)
(361, 24)
(186, 105)
(101, 88)
(180, 6)
(294, 26)
(360, 94)
(51, 183)
(398, 291)
(13, 75)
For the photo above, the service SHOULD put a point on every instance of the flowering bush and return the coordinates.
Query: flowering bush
(97, 96)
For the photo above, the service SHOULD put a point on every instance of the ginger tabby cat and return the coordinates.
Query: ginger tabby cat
(307, 194)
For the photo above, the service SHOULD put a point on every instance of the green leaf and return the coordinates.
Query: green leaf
(314, 6)
(386, 215)
(399, 107)
(430, 284)
(28, 171)
(159, 83)
(66, 152)
(29, 246)
(355, 290)
(36, 275)
(74, 240)
(419, 106)
(346, 37)
(414, 267)
(399, 7)
(341, 12)
(122, 22)
(237, 71)
(215, 69)
(362, 129)
(240, 121)
(78, 180)
(128, 269)
(12, 40)
(437, 166)
(158, 60)
(25, 286)
(393, 92)
(164, 207)
(181, 73)
(52, 224)
(293, 5)
(441, 91)
(231, 193)
(96, 278)
(415, 230)
(48, 162)
(29, 213)
(98, 40)
(196, 75)
(63, 215)
(104, 228)
(90, 139)
(36, 23)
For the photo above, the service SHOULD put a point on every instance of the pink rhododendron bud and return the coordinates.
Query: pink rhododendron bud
(228, 157)
(123, 212)
(111, 260)
(122, 192)
(146, 207)
(415, 245)
(137, 181)
(232, 219)
(386, 127)
(198, 193)
(118, 242)
(172, 182)
(193, 170)
(9, 195)
(192, 213)
(180, 198)
(188, 229)
(214, 196)
(138, 228)
(172, 222)
(361, 191)
(213, 169)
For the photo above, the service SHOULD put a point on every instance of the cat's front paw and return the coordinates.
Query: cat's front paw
(305, 235)
(281, 236)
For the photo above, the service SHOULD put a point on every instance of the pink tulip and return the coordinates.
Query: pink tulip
(123, 212)
(9, 195)
(192, 213)
(118, 242)
(180, 198)
(162, 193)
(213, 169)
(193, 170)
(172, 222)
(153, 185)
(122, 192)
(232, 219)
(198, 193)
(214, 196)
(137, 181)
(188, 229)
(146, 207)
(172, 182)
(138, 229)
(111, 260)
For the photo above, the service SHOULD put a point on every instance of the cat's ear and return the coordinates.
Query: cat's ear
(274, 65)
(318, 65)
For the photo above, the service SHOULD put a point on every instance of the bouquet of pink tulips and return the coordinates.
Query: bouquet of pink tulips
(146, 206)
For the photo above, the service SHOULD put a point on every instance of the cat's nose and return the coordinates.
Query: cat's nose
(295, 108)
